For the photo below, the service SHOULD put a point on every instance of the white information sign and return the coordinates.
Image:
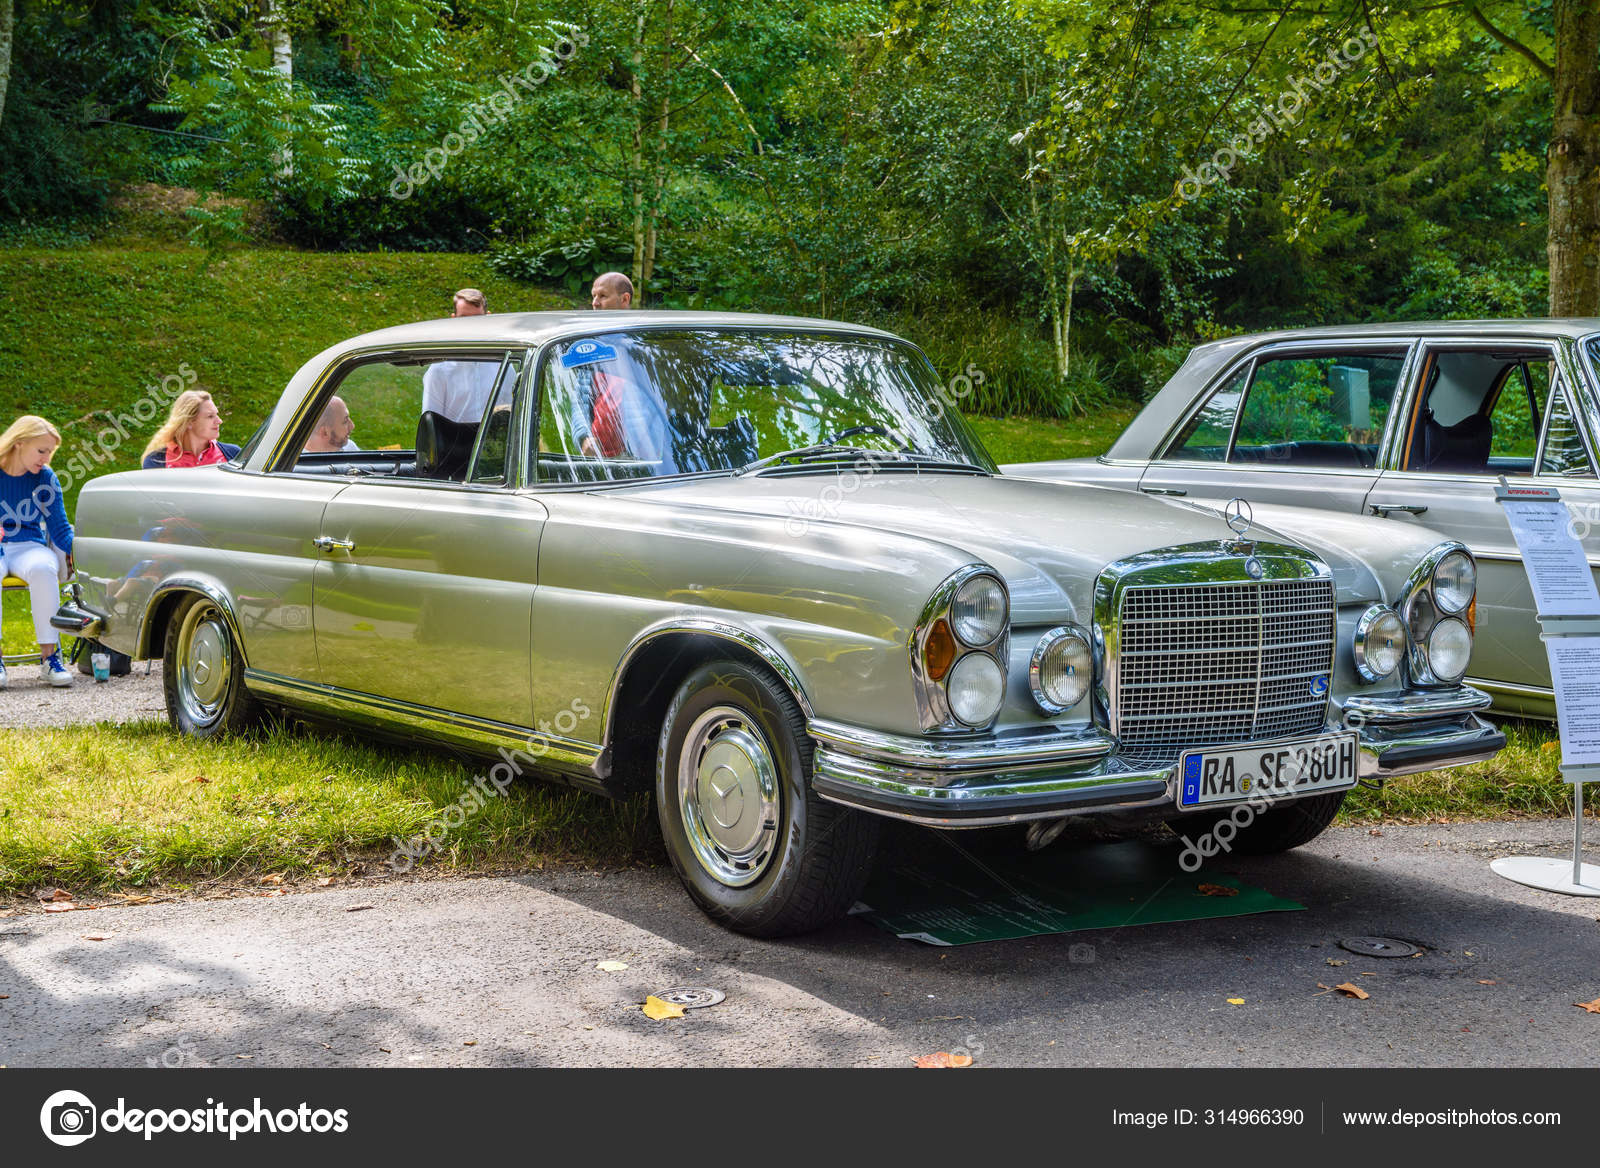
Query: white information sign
(1575, 669)
(1558, 568)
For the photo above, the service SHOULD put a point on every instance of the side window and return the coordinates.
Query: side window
(1514, 420)
(1205, 438)
(1564, 451)
(406, 415)
(1317, 411)
(489, 463)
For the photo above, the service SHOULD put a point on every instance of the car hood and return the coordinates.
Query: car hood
(1049, 540)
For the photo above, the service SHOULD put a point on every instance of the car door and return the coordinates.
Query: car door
(1523, 391)
(1298, 424)
(424, 594)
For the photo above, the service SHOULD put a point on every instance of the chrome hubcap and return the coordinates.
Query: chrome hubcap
(728, 795)
(205, 663)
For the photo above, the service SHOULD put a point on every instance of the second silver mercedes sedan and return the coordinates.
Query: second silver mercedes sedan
(1414, 423)
(760, 566)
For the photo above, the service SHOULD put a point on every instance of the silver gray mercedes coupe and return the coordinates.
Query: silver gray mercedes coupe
(1415, 423)
(761, 566)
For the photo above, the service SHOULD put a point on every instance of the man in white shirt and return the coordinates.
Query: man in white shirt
(460, 390)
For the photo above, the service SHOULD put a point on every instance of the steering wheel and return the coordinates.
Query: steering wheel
(833, 440)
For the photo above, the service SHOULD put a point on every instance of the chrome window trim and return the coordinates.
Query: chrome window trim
(1558, 386)
(1405, 346)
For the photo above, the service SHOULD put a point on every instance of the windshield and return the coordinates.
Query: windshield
(667, 402)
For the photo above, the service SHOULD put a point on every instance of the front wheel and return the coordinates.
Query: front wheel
(754, 845)
(203, 674)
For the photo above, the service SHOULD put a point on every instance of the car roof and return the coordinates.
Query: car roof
(1535, 326)
(535, 328)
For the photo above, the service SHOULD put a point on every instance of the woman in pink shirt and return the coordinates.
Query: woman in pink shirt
(189, 435)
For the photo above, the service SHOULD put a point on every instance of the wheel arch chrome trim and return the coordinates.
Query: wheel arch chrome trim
(201, 586)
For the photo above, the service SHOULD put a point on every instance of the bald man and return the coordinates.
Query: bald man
(611, 290)
(333, 429)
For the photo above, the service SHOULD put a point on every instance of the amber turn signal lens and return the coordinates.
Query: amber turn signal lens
(939, 650)
(1472, 615)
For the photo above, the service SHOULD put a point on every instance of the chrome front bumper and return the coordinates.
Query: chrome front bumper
(1049, 773)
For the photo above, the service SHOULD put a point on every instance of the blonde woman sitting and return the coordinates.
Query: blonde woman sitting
(32, 519)
(189, 435)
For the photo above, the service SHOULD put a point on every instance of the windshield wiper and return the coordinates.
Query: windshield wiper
(828, 451)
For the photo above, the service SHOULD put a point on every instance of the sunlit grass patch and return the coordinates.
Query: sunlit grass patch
(135, 805)
(1524, 779)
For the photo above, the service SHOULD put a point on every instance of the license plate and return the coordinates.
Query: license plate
(1235, 774)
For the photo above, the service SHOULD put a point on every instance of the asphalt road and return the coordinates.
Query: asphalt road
(501, 972)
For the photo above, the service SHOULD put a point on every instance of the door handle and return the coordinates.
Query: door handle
(1162, 491)
(328, 544)
(1384, 510)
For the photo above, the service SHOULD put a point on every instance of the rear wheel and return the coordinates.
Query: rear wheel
(203, 674)
(754, 845)
(1276, 829)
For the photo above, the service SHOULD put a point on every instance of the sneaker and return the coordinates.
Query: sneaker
(53, 671)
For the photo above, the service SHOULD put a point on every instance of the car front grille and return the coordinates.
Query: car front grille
(1214, 664)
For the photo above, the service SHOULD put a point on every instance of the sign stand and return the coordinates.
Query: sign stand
(1569, 622)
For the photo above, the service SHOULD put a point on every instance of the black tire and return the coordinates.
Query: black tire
(1276, 829)
(776, 859)
(203, 674)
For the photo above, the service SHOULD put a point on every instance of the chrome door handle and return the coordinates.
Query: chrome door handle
(328, 544)
(1384, 510)
(1162, 491)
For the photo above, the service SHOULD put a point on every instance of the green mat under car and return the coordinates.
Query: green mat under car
(954, 897)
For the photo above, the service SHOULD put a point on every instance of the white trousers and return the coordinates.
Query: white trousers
(37, 564)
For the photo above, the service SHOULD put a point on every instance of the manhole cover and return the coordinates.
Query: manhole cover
(692, 997)
(1379, 947)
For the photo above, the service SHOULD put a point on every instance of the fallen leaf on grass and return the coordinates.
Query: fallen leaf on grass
(1235, 1001)
(655, 1008)
(324, 881)
(1217, 890)
(1352, 989)
(68, 906)
(612, 966)
(274, 892)
(56, 894)
(359, 907)
(199, 779)
(275, 878)
(1592, 1007)
(942, 1058)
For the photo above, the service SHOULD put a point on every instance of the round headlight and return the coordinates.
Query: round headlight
(976, 688)
(978, 612)
(1060, 670)
(1455, 579)
(1449, 646)
(1380, 642)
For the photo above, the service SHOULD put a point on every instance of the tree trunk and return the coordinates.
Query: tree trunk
(282, 46)
(638, 176)
(7, 16)
(1573, 170)
(660, 181)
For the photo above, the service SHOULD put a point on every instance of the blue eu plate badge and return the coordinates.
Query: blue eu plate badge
(1191, 779)
(587, 353)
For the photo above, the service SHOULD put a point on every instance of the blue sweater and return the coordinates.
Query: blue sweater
(29, 502)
